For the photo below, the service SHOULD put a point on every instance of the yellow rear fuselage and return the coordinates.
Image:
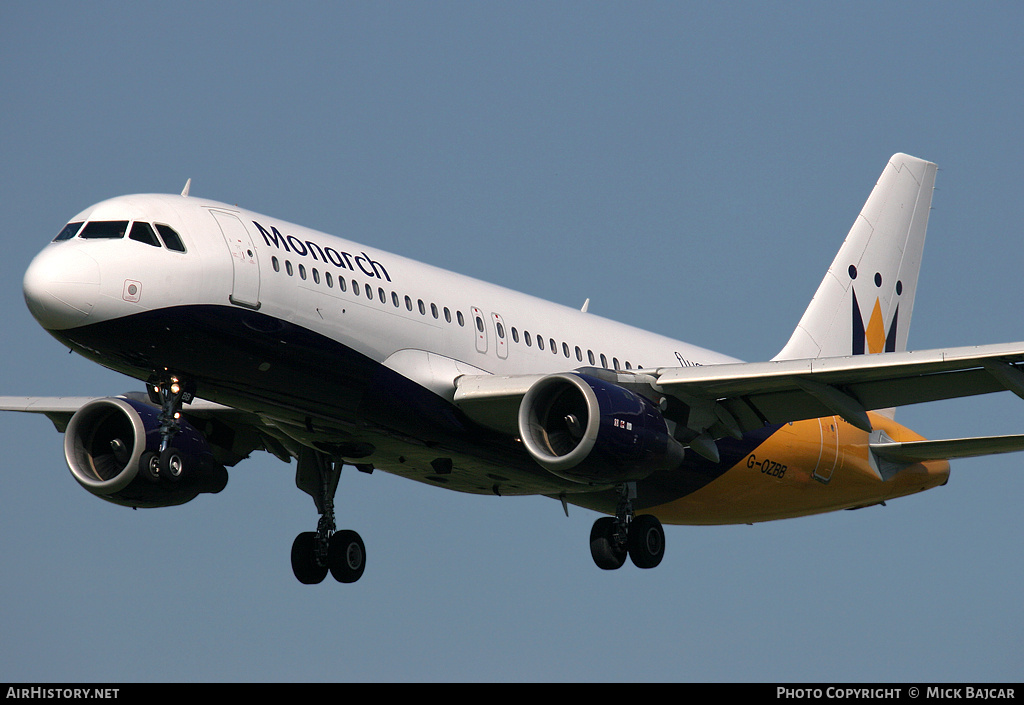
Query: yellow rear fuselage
(806, 467)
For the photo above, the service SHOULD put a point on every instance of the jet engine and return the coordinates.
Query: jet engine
(112, 448)
(584, 429)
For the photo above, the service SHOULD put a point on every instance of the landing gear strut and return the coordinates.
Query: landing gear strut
(315, 553)
(641, 537)
(169, 392)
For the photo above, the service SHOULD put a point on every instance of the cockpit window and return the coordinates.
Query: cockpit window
(104, 229)
(143, 232)
(69, 231)
(171, 239)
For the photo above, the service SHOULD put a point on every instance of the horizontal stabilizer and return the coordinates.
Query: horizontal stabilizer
(917, 451)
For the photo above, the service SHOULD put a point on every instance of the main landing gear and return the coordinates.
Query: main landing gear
(315, 553)
(641, 537)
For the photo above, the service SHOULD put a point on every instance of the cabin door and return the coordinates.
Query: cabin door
(828, 457)
(245, 284)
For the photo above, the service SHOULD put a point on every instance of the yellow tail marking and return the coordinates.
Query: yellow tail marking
(875, 332)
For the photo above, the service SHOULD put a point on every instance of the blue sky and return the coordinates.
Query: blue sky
(690, 167)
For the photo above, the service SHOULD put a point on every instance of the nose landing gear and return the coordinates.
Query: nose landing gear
(170, 393)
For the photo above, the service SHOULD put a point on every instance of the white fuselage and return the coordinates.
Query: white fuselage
(376, 303)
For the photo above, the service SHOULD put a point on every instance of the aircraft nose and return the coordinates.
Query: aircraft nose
(61, 286)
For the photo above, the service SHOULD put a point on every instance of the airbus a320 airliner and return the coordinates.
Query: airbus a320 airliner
(251, 333)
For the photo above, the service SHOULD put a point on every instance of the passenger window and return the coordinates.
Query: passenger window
(447, 315)
(172, 241)
(329, 278)
(316, 276)
(579, 354)
(462, 319)
(565, 349)
(68, 232)
(275, 264)
(515, 335)
(143, 232)
(394, 299)
(423, 308)
(526, 337)
(302, 271)
(105, 230)
(433, 310)
(408, 303)
(341, 284)
(554, 347)
(288, 267)
(590, 356)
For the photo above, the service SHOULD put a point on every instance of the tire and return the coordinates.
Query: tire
(607, 554)
(304, 565)
(149, 466)
(646, 541)
(173, 465)
(346, 556)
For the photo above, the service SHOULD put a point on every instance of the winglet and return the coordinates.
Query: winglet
(863, 304)
(188, 185)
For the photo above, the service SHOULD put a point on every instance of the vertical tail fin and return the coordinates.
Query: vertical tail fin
(863, 304)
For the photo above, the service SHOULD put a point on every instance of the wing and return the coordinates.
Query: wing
(718, 400)
(60, 409)
(248, 432)
(790, 390)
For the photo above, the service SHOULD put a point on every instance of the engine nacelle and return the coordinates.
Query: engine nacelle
(583, 429)
(111, 443)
